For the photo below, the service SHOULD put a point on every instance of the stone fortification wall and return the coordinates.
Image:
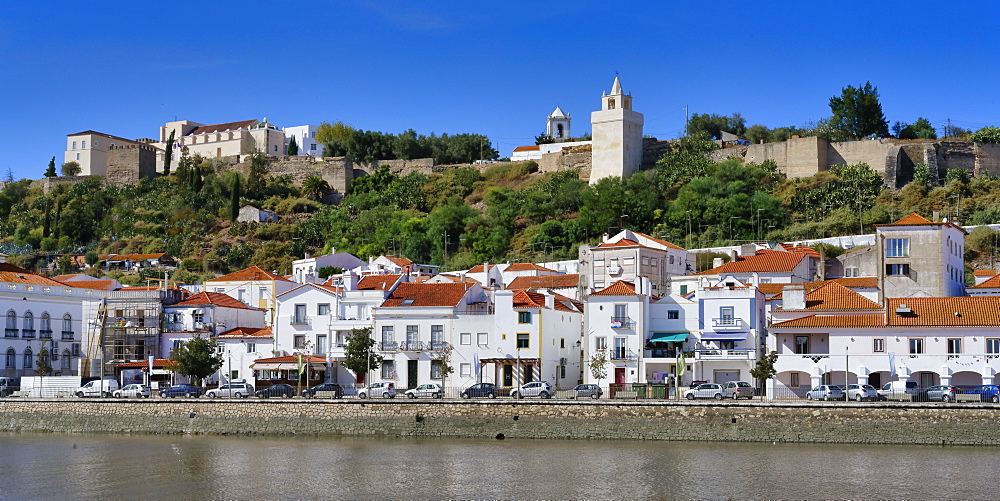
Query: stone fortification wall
(402, 167)
(129, 163)
(988, 159)
(573, 157)
(800, 157)
(49, 183)
(337, 171)
(967, 424)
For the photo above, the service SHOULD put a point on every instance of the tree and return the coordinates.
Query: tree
(444, 360)
(986, 135)
(713, 125)
(91, 257)
(328, 271)
(359, 354)
(315, 187)
(858, 112)
(293, 147)
(544, 138)
(599, 365)
(764, 369)
(51, 171)
(43, 366)
(234, 200)
(921, 129)
(255, 179)
(196, 359)
(168, 153)
(71, 169)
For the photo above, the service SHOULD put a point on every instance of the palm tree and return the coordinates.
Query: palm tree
(315, 186)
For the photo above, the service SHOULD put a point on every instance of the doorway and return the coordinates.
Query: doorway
(619, 375)
(411, 374)
(508, 375)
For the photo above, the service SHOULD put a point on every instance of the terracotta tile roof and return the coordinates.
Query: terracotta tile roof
(400, 261)
(424, 294)
(833, 321)
(621, 243)
(988, 284)
(800, 248)
(158, 363)
(833, 296)
(291, 358)
(526, 299)
(763, 261)
(214, 298)
(619, 288)
(661, 242)
(97, 285)
(849, 282)
(247, 333)
(564, 303)
(561, 281)
(151, 288)
(13, 274)
(984, 273)
(66, 278)
(528, 148)
(980, 311)
(378, 282)
(859, 282)
(479, 268)
(527, 267)
(915, 219)
(773, 288)
(221, 127)
(251, 274)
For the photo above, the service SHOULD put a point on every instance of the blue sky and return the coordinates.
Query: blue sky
(125, 68)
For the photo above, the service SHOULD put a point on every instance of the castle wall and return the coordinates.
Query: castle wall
(574, 157)
(800, 157)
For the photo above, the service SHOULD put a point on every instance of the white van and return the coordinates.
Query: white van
(899, 390)
(95, 389)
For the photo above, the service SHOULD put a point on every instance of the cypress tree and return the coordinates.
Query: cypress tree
(234, 202)
(293, 147)
(51, 171)
(168, 154)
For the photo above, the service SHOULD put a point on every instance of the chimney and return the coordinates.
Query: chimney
(748, 250)
(350, 281)
(716, 262)
(793, 297)
(936, 214)
(550, 300)
(306, 256)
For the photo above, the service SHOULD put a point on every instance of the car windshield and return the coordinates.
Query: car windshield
(743, 384)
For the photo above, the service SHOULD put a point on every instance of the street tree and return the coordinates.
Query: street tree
(359, 354)
(197, 359)
(43, 366)
(764, 369)
(444, 360)
(858, 113)
(599, 365)
(51, 171)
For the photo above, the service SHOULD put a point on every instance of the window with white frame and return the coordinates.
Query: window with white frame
(323, 309)
(251, 347)
(437, 337)
(878, 345)
(727, 315)
(992, 345)
(916, 345)
(897, 247)
(482, 338)
(955, 346)
(388, 369)
(600, 343)
(388, 336)
(435, 369)
(11, 359)
(465, 370)
(465, 338)
(28, 358)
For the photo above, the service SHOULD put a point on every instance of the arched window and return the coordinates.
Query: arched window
(28, 358)
(67, 328)
(45, 329)
(611, 104)
(11, 359)
(65, 365)
(28, 325)
(559, 131)
(11, 319)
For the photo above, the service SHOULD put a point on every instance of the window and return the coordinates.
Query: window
(621, 349)
(465, 370)
(955, 346)
(993, 345)
(793, 380)
(523, 341)
(727, 316)
(312, 147)
(684, 289)
(628, 261)
(482, 338)
(28, 325)
(28, 358)
(599, 262)
(851, 271)
(66, 363)
(524, 317)
(801, 344)
(671, 259)
(435, 369)
(437, 337)
(11, 358)
(388, 336)
(412, 334)
(67, 328)
(645, 260)
(600, 343)
(83, 145)
(323, 309)
(653, 262)
(673, 315)
(77, 156)
(562, 342)
(897, 247)
(465, 338)
(74, 145)
(95, 143)
(362, 312)
(388, 369)
(299, 341)
(300, 314)
(198, 316)
(621, 312)
(897, 269)
(916, 345)
(251, 347)
(562, 372)
(878, 345)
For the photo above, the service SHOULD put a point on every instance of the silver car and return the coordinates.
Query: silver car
(237, 390)
(533, 389)
(861, 392)
(706, 390)
(825, 392)
(737, 390)
(384, 390)
(432, 390)
(133, 391)
(588, 390)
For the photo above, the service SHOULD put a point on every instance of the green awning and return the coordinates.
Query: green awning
(668, 337)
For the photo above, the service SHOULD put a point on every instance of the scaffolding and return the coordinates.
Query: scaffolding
(127, 329)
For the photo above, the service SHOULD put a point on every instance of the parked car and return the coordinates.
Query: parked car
(8, 385)
(894, 390)
(944, 393)
(181, 390)
(325, 390)
(987, 392)
(588, 390)
(861, 392)
(237, 390)
(385, 390)
(825, 392)
(697, 382)
(432, 390)
(133, 391)
(737, 390)
(480, 390)
(277, 390)
(705, 390)
(96, 389)
(533, 389)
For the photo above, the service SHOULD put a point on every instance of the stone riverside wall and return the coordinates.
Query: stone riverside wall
(967, 424)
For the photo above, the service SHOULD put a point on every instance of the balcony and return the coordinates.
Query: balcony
(729, 324)
(8, 332)
(68, 336)
(45, 334)
(440, 346)
(734, 354)
(28, 333)
(297, 320)
(412, 346)
(662, 353)
(622, 323)
(622, 354)
(388, 346)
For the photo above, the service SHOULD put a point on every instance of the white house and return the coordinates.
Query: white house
(306, 270)
(252, 286)
(240, 347)
(305, 138)
(616, 323)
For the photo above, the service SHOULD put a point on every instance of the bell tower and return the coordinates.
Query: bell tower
(617, 136)
(557, 125)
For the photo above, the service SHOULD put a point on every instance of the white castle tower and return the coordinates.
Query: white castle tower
(557, 125)
(617, 136)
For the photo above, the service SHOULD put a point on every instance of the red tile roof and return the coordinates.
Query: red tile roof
(377, 282)
(526, 299)
(984, 273)
(800, 248)
(527, 267)
(833, 296)
(528, 148)
(988, 284)
(12, 274)
(561, 281)
(849, 282)
(247, 333)
(425, 294)
(97, 285)
(291, 358)
(858, 321)
(619, 288)
(158, 363)
(946, 311)
(479, 268)
(221, 127)
(214, 298)
(400, 261)
(621, 243)
(251, 274)
(915, 219)
(763, 261)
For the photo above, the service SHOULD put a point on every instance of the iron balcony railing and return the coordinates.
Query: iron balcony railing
(622, 354)
(45, 334)
(728, 323)
(732, 354)
(296, 320)
(8, 332)
(621, 323)
(412, 346)
(28, 333)
(67, 335)
(388, 346)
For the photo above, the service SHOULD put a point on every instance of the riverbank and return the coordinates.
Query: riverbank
(865, 423)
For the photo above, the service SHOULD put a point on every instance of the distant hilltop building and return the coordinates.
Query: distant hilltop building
(223, 140)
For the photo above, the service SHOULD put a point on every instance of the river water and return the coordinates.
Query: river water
(53, 466)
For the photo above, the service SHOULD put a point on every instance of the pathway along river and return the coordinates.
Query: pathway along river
(54, 466)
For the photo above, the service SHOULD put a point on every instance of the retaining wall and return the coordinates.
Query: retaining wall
(968, 424)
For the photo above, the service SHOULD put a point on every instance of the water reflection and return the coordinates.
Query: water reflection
(103, 466)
